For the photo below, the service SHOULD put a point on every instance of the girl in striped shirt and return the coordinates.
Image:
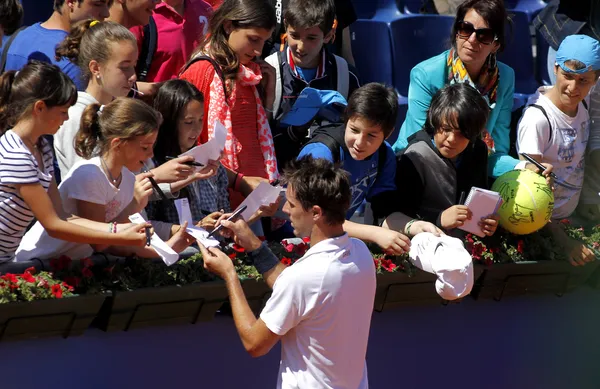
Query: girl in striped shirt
(34, 102)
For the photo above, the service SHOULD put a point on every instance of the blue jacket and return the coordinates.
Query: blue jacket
(431, 75)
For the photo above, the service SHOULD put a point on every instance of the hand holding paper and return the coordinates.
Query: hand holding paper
(168, 255)
(482, 204)
(185, 215)
(264, 194)
(212, 149)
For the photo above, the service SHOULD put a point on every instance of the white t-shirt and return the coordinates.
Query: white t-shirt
(321, 307)
(86, 181)
(64, 137)
(564, 148)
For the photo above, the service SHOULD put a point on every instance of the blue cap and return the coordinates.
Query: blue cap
(581, 48)
(311, 102)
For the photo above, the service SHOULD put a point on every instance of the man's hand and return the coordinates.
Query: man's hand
(240, 232)
(455, 216)
(392, 242)
(215, 261)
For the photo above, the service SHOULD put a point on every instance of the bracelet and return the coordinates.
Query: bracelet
(408, 225)
(115, 227)
(237, 182)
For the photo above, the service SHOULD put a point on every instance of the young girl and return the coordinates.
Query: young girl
(114, 140)
(34, 102)
(444, 159)
(107, 54)
(237, 33)
(182, 107)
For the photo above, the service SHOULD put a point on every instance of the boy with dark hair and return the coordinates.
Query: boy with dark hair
(359, 147)
(39, 41)
(446, 158)
(11, 15)
(555, 129)
(321, 306)
(305, 62)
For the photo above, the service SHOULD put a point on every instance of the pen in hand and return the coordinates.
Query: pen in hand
(154, 184)
(230, 218)
(461, 201)
(538, 165)
(148, 236)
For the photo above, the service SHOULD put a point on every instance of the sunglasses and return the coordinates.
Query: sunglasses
(483, 35)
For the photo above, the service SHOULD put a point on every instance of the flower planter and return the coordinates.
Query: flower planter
(400, 288)
(162, 306)
(46, 318)
(514, 279)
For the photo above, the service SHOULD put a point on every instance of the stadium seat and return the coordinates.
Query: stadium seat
(530, 7)
(541, 60)
(402, 109)
(415, 39)
(518, 54)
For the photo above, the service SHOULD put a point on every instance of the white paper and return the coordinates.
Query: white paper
(185, 215)
(168, 255)
(264, 194)
(481, 203)
(212, 149)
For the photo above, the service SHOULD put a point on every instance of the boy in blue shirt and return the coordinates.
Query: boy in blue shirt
(39, 41)
(305, 62)
(359, 147)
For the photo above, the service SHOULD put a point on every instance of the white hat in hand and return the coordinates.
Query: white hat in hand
(447, 258)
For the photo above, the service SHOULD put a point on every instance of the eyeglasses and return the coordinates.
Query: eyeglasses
(483, 35)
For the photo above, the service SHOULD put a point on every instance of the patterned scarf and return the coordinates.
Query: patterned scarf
(220, 110)
(487, 84)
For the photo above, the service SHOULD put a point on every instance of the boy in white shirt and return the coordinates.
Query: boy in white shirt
(554, 129)
(321, 306)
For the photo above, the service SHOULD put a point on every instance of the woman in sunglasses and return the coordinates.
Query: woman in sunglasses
(477, 35)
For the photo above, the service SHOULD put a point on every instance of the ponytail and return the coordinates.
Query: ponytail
(88, 135)
(69, 47)
(6, 81)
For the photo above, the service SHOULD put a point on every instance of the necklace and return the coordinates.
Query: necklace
(110, 176)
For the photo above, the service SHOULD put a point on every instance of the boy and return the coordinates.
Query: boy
(305, 62)
(445, 159)
(360, 148)
(181, 21)
(132, 13)
(556, 130)
(39, 41)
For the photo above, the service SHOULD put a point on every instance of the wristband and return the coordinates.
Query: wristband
(408, 225)
(237, 182)
(263, 258)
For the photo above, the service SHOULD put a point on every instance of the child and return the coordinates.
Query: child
(359, 146)
(120, 137)
(131, 13)
(556, 129)
(306, 62)
(237, 33)
(34, 103)
(182, 107)
(446, 158)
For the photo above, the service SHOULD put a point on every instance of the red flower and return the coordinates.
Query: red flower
(28, 277)
(86, 272)
(306, 239)
(469, 238)
(233, 256)
(477, 250)
(43, 283)
(286, 261)
(301, 248)
(565, 221)
(238, 248)
(73, 281)
(489, 261)
(30, 270)
(86, 262)
(57, 291)
(288, 247)
(520, 246)
(10, 278)
(67, 286)
(388, 265)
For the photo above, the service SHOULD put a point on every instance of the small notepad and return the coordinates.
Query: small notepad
(185, 215)
(481, 203)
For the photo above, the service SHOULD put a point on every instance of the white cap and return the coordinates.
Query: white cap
(447, 258)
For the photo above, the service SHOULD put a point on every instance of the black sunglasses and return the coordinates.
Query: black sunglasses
(483, 35)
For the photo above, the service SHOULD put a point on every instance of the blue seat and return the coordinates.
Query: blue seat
(364, 9)
(530, 7)
(541, 60)
(518, 54)
(36, 11)
(415, 39)
(372, 44)
(402, 109)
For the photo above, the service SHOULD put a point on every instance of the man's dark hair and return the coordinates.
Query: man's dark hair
(310, 13)
(11, 15)
(59, 3)
(459, 106)
(376, 103)
(316, 181)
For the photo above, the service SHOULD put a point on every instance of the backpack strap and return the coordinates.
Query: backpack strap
(214, 63)
(343, 76)
(331, 136)
(7, 45)
(546, 116)
(585, 104)
(149, 45)
(275, 61)
(382, 158)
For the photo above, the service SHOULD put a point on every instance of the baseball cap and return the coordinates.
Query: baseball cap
(581, 48)
(311, 102)
(447, 258)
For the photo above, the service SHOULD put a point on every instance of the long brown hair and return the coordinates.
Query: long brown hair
(122, 118)
(241, 14)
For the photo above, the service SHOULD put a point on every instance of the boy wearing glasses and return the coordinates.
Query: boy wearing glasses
(556, 126)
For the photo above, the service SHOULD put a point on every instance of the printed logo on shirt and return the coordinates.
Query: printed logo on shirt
(361, 187)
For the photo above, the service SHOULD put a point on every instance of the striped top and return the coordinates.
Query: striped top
(18, 166)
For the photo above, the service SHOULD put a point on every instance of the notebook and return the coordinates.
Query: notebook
(482, 203)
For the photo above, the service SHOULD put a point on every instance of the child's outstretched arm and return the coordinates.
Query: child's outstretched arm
(392, 242)
(43, 209)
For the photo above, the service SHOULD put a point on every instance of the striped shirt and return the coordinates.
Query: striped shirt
(18, 166)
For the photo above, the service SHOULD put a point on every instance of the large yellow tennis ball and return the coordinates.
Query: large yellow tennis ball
(527, 201)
